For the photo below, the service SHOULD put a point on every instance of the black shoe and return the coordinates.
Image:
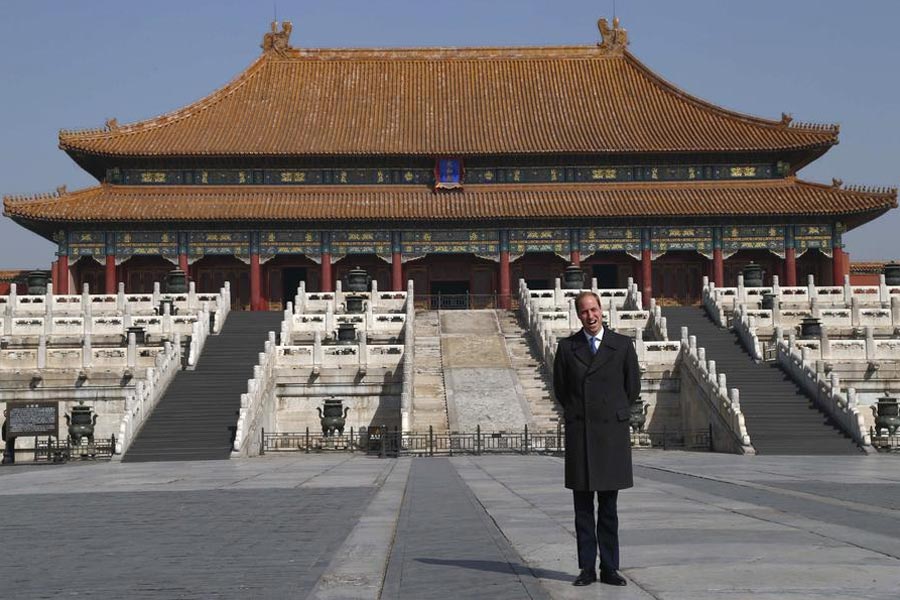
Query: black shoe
(586, 577)
(612, 578)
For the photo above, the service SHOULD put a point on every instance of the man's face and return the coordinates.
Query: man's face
(590, 314)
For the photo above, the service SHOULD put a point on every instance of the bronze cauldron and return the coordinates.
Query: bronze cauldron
(81, 424)
(334, 417)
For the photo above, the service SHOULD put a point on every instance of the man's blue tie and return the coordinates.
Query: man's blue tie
(593, 345)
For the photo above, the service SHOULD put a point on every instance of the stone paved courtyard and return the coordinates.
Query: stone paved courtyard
(341, 526)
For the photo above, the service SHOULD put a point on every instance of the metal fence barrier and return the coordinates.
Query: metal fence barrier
(383, 441)
(54, 450)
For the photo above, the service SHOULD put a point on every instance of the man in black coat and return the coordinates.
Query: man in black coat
(596, 377)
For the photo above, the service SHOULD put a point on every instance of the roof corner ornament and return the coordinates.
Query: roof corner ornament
(112, 124)
(278, 41)
(613, 38)
(837, 183)
(786, 119)
(61, 190)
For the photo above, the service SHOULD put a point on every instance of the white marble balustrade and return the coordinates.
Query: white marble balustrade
(147, 392)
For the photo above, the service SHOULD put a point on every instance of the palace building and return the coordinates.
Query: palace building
(463, 169)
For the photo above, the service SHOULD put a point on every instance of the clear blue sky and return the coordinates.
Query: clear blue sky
(71, 65)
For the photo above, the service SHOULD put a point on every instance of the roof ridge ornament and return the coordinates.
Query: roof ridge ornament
(112, 124)
(613, 38)
(278, 41)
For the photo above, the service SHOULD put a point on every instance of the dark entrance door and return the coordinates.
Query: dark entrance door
(449, 295)
(607, 276)
(538, 284)
(290, 281)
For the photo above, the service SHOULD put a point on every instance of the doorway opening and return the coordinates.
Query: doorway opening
(607, 276)
(290, 281)
(447, 295)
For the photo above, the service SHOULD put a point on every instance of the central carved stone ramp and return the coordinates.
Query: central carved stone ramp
(780, 418)
(482, 386)
(429, 402)
(196, 418)
(534, 379)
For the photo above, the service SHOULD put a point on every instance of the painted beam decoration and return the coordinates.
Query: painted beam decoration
(360, 242)
(539, 240)
(664, 239)
(272, 242)
(146, 243)
(235, 243)
(610, 239)
(87, 243)
(750, 238)
(811, 237)
(479, 241)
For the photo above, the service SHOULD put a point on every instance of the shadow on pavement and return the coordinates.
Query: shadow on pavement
(498, 567)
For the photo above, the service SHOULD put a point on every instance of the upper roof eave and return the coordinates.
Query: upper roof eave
(120, 140)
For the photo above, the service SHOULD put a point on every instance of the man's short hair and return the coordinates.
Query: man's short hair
(585, 294)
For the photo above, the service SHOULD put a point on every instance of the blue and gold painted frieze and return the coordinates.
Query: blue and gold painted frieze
(809, 237)
(482, 241)
(610, 239)
(425, 176)
(146, 243)
(235, 243)
(87, 243)
(539, 240)
(771, 237)
(272, 242)
(664, 239)
(360, 242)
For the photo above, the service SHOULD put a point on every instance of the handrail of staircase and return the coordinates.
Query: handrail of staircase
(257, 410)
(409, 342)
(843, 408)
(712, 387)
(223, 308)
(745, 327)
(199, 333)
(140, 402)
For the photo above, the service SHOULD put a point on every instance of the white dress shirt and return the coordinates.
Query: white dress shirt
(591, 338)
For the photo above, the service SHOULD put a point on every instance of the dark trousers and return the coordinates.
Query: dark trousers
(602, 534)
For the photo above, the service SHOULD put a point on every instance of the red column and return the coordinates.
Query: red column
(837, 266)
(110, 274)
(183, 262)
(790, 266)
(718, 268)
(504, 280)
(255, 284)
(397, 272)
(326, 272)
(54, 275)
(63, 267)
(646, 277)
(575, 258)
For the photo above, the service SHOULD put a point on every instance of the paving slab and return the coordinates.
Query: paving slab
(696, 525)
(708, 526)
(446, 544)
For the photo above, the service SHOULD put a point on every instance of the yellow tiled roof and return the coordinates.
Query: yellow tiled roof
(447, 101)
(476, 202)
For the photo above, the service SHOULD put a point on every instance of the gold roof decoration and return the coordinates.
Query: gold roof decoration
(278, 41)
(613, 38)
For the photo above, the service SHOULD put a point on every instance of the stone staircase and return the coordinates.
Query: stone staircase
(197, 416)
(429, 402)
(533, 377)
(780, 418)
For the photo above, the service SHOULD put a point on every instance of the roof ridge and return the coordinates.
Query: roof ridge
(61, 192)
(172, 116)
(786, 121)
(869, 190)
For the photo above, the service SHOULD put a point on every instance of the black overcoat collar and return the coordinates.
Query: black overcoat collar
(582, 349)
